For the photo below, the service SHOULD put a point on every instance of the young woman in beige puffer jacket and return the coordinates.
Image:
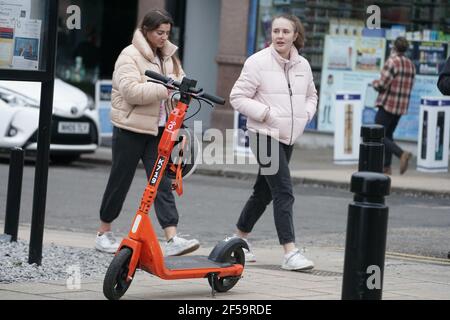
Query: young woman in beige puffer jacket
(139, 112)
(277, 94)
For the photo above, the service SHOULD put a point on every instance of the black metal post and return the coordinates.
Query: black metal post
(371, 150)
(41, 174)
(45, 116)
(14, 193)
(365, 244)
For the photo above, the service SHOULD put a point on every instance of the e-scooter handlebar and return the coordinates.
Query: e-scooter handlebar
(195, 92)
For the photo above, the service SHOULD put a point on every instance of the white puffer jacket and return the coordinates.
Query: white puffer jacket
(136, 102)
(278, 96)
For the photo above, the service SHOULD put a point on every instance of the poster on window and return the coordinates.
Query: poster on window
(369, 54)
(20, 36)
(428, 56)
(26, 44)
(349, 63)
(342, 53)
(6, 43)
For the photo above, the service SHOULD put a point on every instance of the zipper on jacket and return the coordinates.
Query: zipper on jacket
(290, 99)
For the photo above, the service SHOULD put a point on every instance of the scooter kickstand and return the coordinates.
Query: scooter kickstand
(212, 277)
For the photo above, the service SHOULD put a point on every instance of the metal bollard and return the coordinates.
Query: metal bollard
(371, 150)
(365, 244)
(14, 193)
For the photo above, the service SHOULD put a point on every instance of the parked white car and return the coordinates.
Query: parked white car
(75, 125)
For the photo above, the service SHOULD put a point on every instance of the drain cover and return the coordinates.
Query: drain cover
(314, 272)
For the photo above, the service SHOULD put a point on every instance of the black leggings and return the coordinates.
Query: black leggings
(272, 185)
(127, 149)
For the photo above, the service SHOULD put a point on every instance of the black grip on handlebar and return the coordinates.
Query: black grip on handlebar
(176, 84)
(212, 98)
(157, 76)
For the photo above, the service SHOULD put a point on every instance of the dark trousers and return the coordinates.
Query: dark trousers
(273, 186)
(127, 149)
(389, 121)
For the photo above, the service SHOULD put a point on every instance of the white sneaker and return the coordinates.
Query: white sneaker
(249, 255)
(295, 261)
(107, 242)
(178, 246)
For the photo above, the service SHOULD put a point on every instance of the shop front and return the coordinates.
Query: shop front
(89, 53)
(344, 55)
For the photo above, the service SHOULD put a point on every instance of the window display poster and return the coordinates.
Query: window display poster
(370, 54)
(333, 81)
(26, 44)
(428, 56)
(341, 53)
(15, 9)
(408, 126)
(335, 78)
(19, 36)
(6, 44)
(347, 72)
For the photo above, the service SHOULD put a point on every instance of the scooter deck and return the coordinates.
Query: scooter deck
(192, 262)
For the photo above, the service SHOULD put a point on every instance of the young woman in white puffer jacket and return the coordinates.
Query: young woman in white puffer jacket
(277, 94)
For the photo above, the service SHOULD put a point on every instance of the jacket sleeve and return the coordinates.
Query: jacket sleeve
(244, 90)
(387, 75)
(311, 98)
(444, 79)
(131, 87)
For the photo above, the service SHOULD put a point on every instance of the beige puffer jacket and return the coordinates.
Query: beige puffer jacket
(278, 96)
(136, 102)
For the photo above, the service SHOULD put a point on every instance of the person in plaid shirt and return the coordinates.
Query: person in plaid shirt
(394, 90)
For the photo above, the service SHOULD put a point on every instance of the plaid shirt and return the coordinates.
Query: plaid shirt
(395, 84)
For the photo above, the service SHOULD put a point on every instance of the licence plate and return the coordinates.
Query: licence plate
(73, 127)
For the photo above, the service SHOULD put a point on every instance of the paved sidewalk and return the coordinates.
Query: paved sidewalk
(406, 278)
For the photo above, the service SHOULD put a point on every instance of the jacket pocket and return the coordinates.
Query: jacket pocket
(129, 112)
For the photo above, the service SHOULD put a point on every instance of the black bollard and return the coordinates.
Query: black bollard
(365, 244)
(371, 150)
(14, 193)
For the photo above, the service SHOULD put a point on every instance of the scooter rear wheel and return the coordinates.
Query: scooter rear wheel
(234, 256)
(115, 284)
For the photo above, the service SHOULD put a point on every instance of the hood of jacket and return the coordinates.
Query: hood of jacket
(141, 44)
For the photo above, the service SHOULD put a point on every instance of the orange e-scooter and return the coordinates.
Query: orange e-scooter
(141, 249)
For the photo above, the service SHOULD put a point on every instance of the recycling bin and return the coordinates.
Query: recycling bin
(434, 130)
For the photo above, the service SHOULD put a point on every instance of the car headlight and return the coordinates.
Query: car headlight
(12, 131)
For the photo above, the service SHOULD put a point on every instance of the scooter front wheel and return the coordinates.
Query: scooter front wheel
(115, 284)
(234, 256)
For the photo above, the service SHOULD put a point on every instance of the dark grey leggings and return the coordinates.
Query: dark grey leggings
(127, 149)
(390, 122)
(276, 186)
